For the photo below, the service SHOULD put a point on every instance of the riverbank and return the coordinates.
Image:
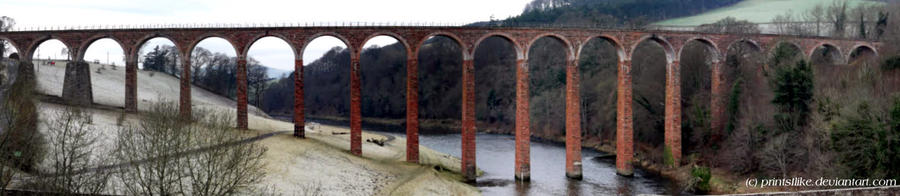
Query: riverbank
(322, 162)
(721, 183)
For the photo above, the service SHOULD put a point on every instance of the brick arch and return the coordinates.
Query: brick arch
(84, 45)
(194, 42)
(313, 37)
(397, 37)
(519, 54)
(812, 51)
(666, 45)
(37, 43)
(143, 40)
(617, 45)
(13, 44)
(282, 37)
(857, 47)
(570, 53)
(706, 42)
(752, 42)
(454, 37)
(776, 43)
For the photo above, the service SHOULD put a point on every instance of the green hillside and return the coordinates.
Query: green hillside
(757, 11)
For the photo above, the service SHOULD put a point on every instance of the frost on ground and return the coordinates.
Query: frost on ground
(756, 11)
(108, 87)
(321, 163)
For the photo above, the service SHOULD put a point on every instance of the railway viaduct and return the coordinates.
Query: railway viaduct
(468, 38)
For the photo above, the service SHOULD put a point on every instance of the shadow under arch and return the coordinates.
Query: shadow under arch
(13, 46)
(448, 35)
(518, 49)
(831, 54)
(667, 47)
(861, 51)
(567, 45)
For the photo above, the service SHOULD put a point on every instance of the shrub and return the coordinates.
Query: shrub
(702, 175)
(178, 160)
(21, 145)
(793, 88)
(734, 99)
(856, 138)
(72, 148)
(867, 141)
(891, 63)
(668, 159)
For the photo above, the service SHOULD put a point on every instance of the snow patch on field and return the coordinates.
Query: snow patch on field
(321, 163)
(109, 88)
(756, 11)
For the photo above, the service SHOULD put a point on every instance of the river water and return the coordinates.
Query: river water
(496, 155)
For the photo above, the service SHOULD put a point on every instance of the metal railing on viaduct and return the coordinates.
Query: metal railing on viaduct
(468, 38)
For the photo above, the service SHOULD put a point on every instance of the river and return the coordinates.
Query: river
(496, 155)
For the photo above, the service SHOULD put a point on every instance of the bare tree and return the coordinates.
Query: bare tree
(171, 156)
(6, 23)
(816, 16)
(226, 170)
(65, 52)
(788, 24)
(837, 16)
(72, 150)
(776, 155)
(199, 57)
(539, 5)
(257, 80)
(155, 139)
(730, 25)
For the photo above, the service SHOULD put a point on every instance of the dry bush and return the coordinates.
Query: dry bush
(171, 156)
(72, 150)
(159, 135)
(224, 170)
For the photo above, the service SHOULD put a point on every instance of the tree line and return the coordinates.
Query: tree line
(213, 71)
(837, 19)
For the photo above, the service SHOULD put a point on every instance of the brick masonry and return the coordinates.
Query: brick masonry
(625, 41)
(242, 92)
(573, 121)
(468, 121)
(412, 108)
(523, 123)
(299, 115)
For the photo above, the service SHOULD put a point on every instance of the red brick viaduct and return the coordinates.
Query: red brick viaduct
(624, 41)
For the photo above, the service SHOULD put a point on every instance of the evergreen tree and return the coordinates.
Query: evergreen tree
(793, 88)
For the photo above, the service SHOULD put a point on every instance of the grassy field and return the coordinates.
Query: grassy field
(757, 11)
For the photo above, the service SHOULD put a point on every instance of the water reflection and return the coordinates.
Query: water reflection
(496, 157)
(573, 187)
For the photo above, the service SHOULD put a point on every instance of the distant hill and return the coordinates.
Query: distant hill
(756, 11)
(607, 12)
(277, 73)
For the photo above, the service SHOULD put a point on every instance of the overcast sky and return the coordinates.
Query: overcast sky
(271, 52)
